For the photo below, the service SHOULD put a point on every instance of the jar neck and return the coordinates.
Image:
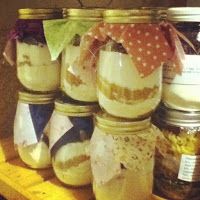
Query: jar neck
(117, 126)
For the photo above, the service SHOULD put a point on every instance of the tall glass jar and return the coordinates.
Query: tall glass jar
(177, 158)
(182, 91)
(35, 70)
(70, 132)
(122, 158)
(31, 128)
(78, 79)
(130, 65)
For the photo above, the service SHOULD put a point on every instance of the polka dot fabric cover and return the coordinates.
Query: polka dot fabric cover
(146, 44)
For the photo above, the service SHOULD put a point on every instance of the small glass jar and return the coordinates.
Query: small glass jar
(130, 65)
(77, 79)
(122, 158)
(70, 132)
(31, 128)
(182, 91)
(177, 158)
(35, 70)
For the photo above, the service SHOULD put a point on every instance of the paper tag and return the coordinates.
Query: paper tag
(189, 168)
(190, 74)
(24, 132)
(59, 125)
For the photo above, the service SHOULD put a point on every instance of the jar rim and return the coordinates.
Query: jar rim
(178, 14)
(142, 15)
(175, 117)
(36, 98)
(116, 125)
(89, 14)
(40, 13)
(74, 109)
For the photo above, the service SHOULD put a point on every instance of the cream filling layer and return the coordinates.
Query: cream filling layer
(66, 167)
(85, 88)
(35, 70)
(118, 68)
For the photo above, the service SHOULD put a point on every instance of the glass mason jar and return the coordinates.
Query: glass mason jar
(122, 158)
(71, 128)
(130, 65)
(177, 158)
(31, 128)
(182, 91)
(35, 70)
(78, 80)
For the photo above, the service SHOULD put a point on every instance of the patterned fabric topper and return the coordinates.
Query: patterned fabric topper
(82, 130)
(146, 44)
(40, 115)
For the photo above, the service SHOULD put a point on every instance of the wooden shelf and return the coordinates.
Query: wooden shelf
(17, 182)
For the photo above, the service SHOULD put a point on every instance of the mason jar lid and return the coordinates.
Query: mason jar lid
(40, 13)
(162, 11)
(177, 118)
(93, 14)
(131, 15)
(116, 126)
(35, 98)
(75, 109)
(184, 14)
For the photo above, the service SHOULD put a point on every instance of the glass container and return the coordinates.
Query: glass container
(35, 70)
(182, 91)
(78, 76)
(31, 128)
(122, 158)
(70, 132)
(177, 158)
(130, 64)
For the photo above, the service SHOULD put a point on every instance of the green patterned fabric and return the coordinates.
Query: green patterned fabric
(59, 33)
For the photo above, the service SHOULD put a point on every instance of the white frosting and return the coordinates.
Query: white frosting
(118, 68)
(75, 175)
(36, 155)
(86, 91)
(43, 74)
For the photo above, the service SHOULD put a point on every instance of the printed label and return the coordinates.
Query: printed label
(189, 168)
(24, 132)
(190, 74)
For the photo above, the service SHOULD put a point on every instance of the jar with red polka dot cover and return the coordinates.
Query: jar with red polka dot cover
(182, 91)
(129, 73)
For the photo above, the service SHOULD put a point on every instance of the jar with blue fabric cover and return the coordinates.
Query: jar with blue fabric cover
(31, 128)
(71, 128)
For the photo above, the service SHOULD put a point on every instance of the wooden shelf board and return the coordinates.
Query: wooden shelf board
(18, 182)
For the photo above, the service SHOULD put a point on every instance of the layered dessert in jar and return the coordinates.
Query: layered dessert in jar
(129, 75)
(181, 90)
(35, 69)
(71, 128)
(78, 76)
